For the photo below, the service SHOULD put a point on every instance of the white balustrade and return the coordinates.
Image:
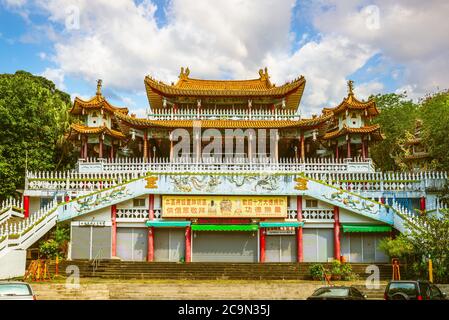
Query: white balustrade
(317, 214)
(20, 235)
(220, 114)
(132, 213)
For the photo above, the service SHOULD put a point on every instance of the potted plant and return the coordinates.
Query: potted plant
(316, 271)
(336, 270)
(346, 272)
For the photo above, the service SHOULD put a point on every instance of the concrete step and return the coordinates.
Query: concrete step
(201, 270)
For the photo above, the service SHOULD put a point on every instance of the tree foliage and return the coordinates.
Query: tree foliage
(431, 240)
(397, 116)
(435, 115)
(33, 120)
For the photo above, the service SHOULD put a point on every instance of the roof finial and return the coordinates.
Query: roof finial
(184, 74)
(263, 73)
(351, 87)
(99, 82)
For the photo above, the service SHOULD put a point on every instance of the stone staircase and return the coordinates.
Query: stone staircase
(372, 294)
(114, 269)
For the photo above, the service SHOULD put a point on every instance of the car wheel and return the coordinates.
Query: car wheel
(399, 297)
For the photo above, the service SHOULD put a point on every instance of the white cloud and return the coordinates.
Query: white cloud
(14, 3)
(367, 89)
(325, 64)
(120, 42)
(411, 33)
(55, 75)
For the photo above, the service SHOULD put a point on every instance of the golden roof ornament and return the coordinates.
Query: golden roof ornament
(263, 73)
(184, 75)
(351, 87)
(99, 83)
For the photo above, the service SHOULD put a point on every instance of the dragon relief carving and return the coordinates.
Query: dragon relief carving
(210, 183)
(267, 182)
(352, 202)
(190, 183)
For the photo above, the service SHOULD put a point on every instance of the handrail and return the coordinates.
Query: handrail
(97, 260)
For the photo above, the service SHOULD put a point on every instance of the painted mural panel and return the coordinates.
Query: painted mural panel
(224, 206)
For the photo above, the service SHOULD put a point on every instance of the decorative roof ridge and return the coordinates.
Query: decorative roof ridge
(184, 79)
(99, 129)
(97, 100)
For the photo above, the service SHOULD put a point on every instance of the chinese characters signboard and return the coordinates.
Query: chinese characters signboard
(224, 206)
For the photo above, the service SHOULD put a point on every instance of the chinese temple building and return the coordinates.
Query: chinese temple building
(224, 171)
(416, 156)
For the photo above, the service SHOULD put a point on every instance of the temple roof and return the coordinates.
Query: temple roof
(190, 87)
(352, 103)
(420, 155)
(79, 128)
(374, 130)
(96, 102)
(413, 141)
(228, 124)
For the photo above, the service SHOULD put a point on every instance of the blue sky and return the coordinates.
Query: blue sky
(382, 46)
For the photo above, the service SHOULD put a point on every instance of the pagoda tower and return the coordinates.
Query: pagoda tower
(351, 132)
(96, 132)
(417, 157)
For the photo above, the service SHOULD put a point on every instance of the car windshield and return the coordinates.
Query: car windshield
(406, 287)
(15, 289)
(331, 292)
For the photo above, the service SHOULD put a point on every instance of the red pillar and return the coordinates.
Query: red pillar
(188, 244)
(114, 229)
(150, 255)
(422, 204)
(26, 206)
(262, 245)
(337, 233)
(112, 150)
(299, 246)
(336, 151)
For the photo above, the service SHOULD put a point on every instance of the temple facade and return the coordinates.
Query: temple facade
(226, 170)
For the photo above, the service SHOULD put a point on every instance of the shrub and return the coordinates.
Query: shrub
(336, 270)
(316, 271)
(396, 248)
(49, 249)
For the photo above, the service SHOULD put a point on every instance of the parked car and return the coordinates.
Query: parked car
(413, 290)
(15, 290)
(337, 293)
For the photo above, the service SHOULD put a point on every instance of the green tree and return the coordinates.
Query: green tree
(33, 119)
(430, 240)
(435, 115)
(397, 115)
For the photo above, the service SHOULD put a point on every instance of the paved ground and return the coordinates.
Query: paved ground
(181, 289)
